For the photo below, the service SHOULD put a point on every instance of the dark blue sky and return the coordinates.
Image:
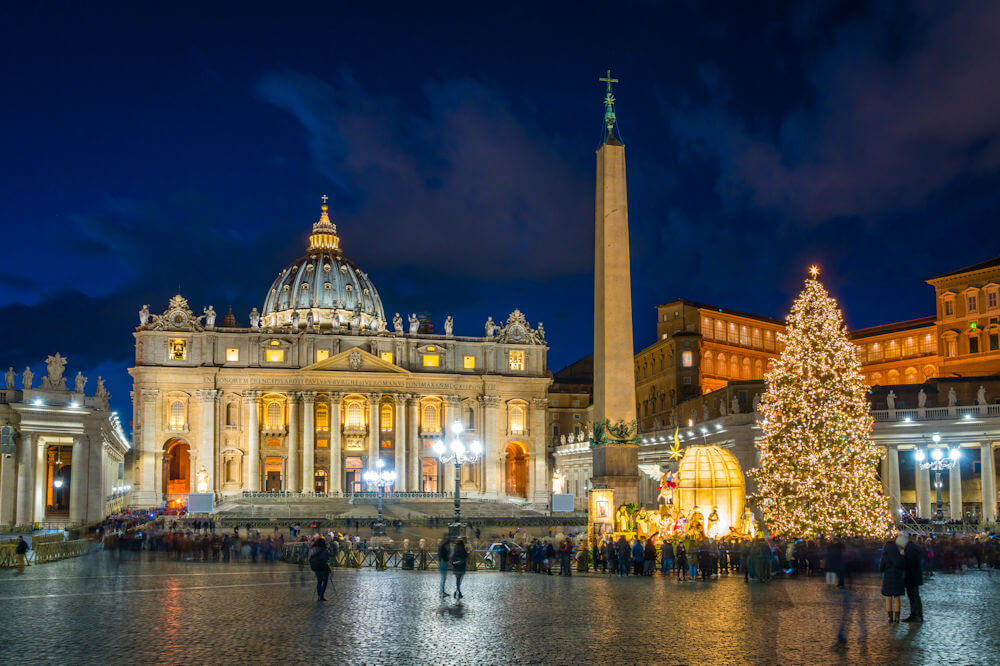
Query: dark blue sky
(145, 148)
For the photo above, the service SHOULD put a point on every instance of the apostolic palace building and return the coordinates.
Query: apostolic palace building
(323, 384)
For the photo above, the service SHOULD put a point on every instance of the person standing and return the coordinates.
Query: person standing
(444, 554)
(913, 579)
(565, 554)
(459, 561)
(682, 563)
(648, 558)
(21, 550)
(319, 562)
(893, 568)
(666, 557)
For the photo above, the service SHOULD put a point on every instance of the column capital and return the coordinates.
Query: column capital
(540, 403)
(292, 396)
(207, 395)
(490, 400)
(399, 398)
(373, 397)
(413, 399)
(308, 397)
(453, 398)
(251, 396)
(336, 396)
(149, 394)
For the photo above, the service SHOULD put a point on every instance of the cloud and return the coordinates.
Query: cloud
(903, 104)
(466, 185)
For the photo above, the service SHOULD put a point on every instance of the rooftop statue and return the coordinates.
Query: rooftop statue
(27, 377)
(449, 325)
(10, 377)
(397, 323)
(254, 318)
(80, 383)
(55, 365)
(414, 324)
(144, 315)
(209, 316)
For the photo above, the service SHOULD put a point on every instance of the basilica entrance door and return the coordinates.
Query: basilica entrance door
(177, 478)
(429, 475)
(319, 481)
(273, 482)
(352, 472)
(516, 470)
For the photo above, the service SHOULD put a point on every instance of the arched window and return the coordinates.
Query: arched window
(430, 422)
(322, 417)
(758, 369)
(706, 363)
(354, 416)
(876, 378)
(720, 365)
(892, 377)
(385, 418)
(177, 415)
(516, 419)
(734, 367)
(912, 376)
(746, 368)
(273, 416)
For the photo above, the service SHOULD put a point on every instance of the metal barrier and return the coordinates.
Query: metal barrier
(386, 558)
(50, 551)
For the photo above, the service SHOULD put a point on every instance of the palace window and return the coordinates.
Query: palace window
(950, 347)
(746, 368)
(973, 344)
(386, 356)
(432, 360)
(232, 354)
(516, 359)
(322, 355)
(972, 303)
(893, 377)
(385, 418)
(430, 421)
(949, 308)
(892, 349)
(734, 367)
(862, 353)
(875, 353)
(706, 363)
(470, 418)
(273, 419)
(687, 359)
(720, 365)
(744, 336)
(733, 334)
(929, 347)
(758, 369)
(516, 419)
(469, 362)
(177, 415)
(910, 347)
(354, 416)
(991, 299)
(274, 355)
(322, 417)
(706, 327)
(720, 331)
(911, 375)
(178, 350)
(756, 338)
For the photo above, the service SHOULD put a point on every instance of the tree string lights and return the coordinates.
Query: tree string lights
(818, 463)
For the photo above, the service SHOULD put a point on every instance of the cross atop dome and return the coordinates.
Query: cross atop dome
(324, 233)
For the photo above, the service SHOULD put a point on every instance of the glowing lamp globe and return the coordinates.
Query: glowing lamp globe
(438, 449)
(919, 455)
(936, 454)
(955, 454)
(476, 447)
(710, 476)
(457, 447)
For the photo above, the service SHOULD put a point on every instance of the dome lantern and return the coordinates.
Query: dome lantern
(324, 233)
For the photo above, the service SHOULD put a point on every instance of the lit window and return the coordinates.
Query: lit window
(744, 336)
(178, 350)
(431, 360)
(385, 418)
(322, 417)
(274, 442)
(706, 327)
(516, 360)
(177, 415)
(232, 354)
(950, 348)
(516, 419)
(469, 362)
(273, 416)
(386, 356)
(322, 354)
(322, 443)
(909, 347)
(687, 359)
(274, 343)
(430, 420)
(274, 355)
(929, 346)
(756, 338)
(354, 418)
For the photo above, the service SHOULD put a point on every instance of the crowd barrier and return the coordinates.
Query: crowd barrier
(389, 558)
(46, 551)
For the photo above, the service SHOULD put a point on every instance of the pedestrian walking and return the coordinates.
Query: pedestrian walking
(893, 568)
(913, 554)
(565, 553)
(459, 560)
(319, 562)
(444, 554)
(21, 550)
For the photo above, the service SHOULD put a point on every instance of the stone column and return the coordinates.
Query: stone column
(251, 399)
(955, 491)
(399, 441)
(309, 441)
(892, 480)
(78, 479)
(336, 454)
(989, 482)
(373, 432)
(453, 413)
(540, 491)
(292, 475)
(149, 493)
(25, 514)
(96, 494)
(8, 488)
(413, 441)
(492, 456)
(206, 452)
(923, 486)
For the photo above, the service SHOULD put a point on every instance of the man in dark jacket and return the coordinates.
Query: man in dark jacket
(913, 579)
(444, 555)
(21, 550)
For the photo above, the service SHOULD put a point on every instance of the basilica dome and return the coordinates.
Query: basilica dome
(324, 282)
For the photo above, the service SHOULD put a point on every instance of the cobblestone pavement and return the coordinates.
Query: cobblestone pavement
(98, 609)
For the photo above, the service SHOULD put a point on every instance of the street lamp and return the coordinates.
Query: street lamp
(457, 452)
(381, 478)
(938, 462)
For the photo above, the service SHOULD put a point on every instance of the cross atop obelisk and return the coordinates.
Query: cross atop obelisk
(609, 102)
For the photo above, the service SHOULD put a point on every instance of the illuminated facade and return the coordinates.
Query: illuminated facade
(317, 388)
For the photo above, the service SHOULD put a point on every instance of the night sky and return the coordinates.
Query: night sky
(144, 150)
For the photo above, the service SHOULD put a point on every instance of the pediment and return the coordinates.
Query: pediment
(356, 359)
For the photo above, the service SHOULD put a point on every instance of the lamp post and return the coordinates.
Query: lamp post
(457, 452)
(938, 462)
(380, 478)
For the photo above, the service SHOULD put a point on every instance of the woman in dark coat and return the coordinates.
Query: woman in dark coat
(893, 568)
(459, 562)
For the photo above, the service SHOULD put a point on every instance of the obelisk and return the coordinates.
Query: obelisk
(614, 439)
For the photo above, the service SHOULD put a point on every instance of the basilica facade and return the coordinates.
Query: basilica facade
(322, 387)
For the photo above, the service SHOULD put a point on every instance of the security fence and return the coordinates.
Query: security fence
(43, 550)
(389, 558)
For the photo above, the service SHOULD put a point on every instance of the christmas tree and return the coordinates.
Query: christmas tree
(818, 464)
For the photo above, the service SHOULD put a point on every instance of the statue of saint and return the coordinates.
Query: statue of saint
(10, 377)
(541, 331)
(713, 522)
(890, 401)
(491, 328)
(952, 397)
(981, 396)
(397, 323)
(335, 320)
(356, 319)
(143, 315)
(80, 383)
(55, 365)
(722, 407)
(921, 399)
(735, 405)
(414, 324)
(209, 316)
(27, 377)
(449, 325)
(310, 319)
(254, 318)
(202, 480)
(295, 320)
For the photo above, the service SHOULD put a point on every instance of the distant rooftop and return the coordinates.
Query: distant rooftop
(989, 263)
(895, 327)
(736, 313)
